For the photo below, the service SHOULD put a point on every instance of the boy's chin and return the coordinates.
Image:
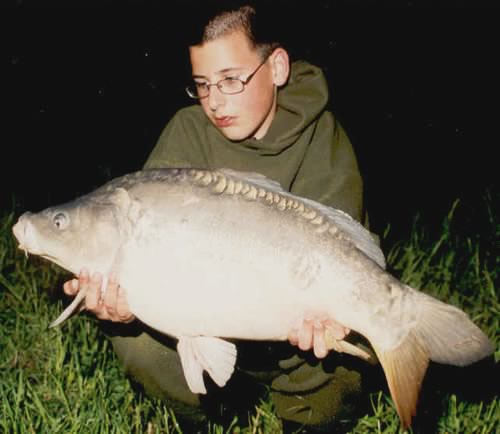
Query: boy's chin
(235, 134)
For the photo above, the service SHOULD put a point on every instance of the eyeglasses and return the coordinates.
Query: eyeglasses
(228, 86)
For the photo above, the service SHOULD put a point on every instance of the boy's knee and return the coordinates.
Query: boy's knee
(156, 367)
(333, 400)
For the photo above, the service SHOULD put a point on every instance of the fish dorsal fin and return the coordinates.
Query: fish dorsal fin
(254, 186)
(254, 178)
(249, 184)
(206, 353)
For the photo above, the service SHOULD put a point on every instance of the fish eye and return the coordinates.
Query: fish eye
(60, 220)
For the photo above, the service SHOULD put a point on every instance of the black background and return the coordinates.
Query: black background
(86, 92)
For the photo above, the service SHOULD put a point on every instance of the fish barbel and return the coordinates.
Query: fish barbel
(206, 255)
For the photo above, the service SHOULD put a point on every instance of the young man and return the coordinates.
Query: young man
(256, 113)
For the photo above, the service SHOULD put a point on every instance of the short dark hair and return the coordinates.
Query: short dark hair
(220, 18)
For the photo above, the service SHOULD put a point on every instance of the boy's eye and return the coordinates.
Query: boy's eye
(231, 85)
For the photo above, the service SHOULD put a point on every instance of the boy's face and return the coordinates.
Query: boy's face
(246, 114)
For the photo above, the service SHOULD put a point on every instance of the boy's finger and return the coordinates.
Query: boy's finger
(122, 308)
(320, 350)
(110, 297)
(337, 330)
(293, 337)
(306, 335)
(93, 298)
(84, 276)
(71, 287)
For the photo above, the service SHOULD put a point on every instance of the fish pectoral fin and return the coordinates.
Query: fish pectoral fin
(214, 355)
(70, 309)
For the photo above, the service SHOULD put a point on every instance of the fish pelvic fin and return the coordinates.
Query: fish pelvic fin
(404, 368)
(69, 310)
(206, 353)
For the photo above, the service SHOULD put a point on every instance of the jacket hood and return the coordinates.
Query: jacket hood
(300, 103)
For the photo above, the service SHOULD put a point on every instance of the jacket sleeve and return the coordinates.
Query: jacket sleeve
(329, 172)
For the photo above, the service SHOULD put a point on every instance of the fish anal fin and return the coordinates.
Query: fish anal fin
(354, 349)
(404, 368)
(206, 353)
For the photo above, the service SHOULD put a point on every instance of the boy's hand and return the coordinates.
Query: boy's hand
(311, 334)
(112, 306)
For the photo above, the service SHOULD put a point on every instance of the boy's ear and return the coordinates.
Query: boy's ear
(280, 63)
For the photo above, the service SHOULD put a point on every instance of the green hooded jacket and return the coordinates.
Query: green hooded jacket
(305, 149)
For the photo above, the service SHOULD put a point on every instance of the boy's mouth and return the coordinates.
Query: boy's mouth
(224, 121)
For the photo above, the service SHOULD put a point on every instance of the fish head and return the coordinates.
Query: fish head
(86, 232)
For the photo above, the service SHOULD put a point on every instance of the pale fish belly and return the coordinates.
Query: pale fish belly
(224, 266)
(250, 302)
(225, 296)
(185, 280)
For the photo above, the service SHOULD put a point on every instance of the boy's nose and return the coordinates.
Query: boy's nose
(215, 98)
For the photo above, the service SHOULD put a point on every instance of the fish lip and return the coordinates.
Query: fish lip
(29, 250)
(51, 258)
(26, 247)
(22, 247)
(23, 232)
(33, 251)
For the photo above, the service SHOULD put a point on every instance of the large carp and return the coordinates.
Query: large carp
(205, 255)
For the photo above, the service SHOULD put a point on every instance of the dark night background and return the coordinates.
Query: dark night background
(86, 93)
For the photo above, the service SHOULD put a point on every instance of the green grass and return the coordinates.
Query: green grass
(67, 380)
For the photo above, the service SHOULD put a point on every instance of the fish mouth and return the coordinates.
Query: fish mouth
(24, 249)
(28, 250)
(31, 250)
(25, 235)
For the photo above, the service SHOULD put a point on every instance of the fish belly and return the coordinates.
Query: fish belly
(248, 273)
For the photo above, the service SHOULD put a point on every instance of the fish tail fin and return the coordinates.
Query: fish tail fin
(448, 333)
(442, 333)
(69, 310)
(404, 369)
